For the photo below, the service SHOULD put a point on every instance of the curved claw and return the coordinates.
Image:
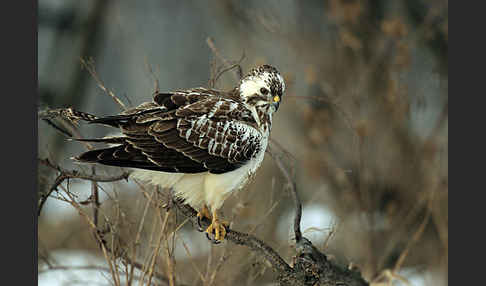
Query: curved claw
(199, 226)
(218, 228)
(204, 213)
(212, 240)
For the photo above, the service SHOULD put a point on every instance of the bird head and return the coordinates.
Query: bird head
(262, 87)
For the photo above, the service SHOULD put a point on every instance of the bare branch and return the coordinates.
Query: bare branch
(239, 238)
(66, 174)
(238, 73)
(58, 128)
(295, 196)
(89, 65)
(95, 198)
(85, 267)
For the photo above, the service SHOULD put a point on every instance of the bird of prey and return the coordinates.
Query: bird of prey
(204, 144)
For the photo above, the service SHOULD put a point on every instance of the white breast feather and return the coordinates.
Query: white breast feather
(206, 188)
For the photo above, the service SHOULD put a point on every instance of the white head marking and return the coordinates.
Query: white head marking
(264, 81)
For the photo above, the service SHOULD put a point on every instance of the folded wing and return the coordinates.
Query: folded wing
(188, 131)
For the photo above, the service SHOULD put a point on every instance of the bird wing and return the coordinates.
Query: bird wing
(187, 131)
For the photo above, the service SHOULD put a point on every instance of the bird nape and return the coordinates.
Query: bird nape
(201, 143)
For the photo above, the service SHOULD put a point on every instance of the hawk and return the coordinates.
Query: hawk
(204, 144)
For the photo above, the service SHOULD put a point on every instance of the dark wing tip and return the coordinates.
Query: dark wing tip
(107, 140)
(113, 121)
(88, 157)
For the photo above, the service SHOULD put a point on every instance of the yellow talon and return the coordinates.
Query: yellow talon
(218, 228)
(204, 213)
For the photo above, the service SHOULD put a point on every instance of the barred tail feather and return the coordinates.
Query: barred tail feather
(79, 115)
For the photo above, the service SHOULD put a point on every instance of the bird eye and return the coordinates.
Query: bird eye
(264, 91)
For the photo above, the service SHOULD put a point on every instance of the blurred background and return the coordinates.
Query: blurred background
(364, 117)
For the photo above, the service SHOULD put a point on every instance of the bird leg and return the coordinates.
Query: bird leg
(203, 213)
(218, 227)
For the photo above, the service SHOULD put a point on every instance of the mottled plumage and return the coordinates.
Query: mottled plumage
(202, 143)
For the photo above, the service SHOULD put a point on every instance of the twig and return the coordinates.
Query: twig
(58, 128)
(156, 80)
(170, 265)
(66, 174)
(157, 248)
(332, 232)
(78, 175)
(98, 235)
(216, 78)
(89, 65)
(85, 267)
(295, 196)
(95, 197)
(416, 236)
(217, 268)
(238, 73)
(139, 233)
(251, 241)
(186, 248)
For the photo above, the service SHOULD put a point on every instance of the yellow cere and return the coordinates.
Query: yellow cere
(276, 98)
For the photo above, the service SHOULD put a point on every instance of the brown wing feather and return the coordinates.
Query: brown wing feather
(186, 131)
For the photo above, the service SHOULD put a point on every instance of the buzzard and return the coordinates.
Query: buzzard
(204, 144)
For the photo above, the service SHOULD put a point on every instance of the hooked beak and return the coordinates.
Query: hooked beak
(276, 102)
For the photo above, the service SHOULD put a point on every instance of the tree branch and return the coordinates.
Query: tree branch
(278, 263)
(227, 65)
(295, 196)
(66, 174)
